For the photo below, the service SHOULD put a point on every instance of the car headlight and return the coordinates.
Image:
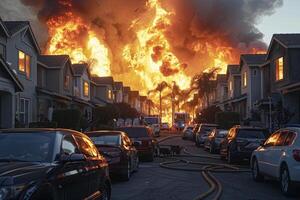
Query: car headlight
(4, 193)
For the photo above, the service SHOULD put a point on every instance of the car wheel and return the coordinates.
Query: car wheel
(126, 172)
(285, 181)
(137, 164)
(230, 158)
(257, 176)
(211, 149)
(105, 193)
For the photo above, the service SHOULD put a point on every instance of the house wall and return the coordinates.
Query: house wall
(66, 71)
(23, 42)
(53, 80)
(236, 85)
(294, 65)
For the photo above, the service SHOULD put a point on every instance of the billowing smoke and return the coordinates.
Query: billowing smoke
(199, 30)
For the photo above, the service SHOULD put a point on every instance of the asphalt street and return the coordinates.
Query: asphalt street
(152, 182)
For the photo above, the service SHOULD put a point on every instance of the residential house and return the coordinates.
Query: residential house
(221, 92)
(20, 51)
(82, 90)
(103, 90)
(54, 85)
(118, 92)
(251, 83)
(134, 100)
(143, 105)
(282, 71)
(126, 91)
(9, 84)
(235, 100)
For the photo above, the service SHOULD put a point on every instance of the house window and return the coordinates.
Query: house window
(67, 81)
(24, 111)
(230, 86)
(279, 69)
(24, 64)
(110, 95)
(86, 88)
(254, 73)
(245, 79)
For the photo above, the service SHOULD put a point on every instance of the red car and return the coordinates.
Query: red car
(143, 139)
(118, 150)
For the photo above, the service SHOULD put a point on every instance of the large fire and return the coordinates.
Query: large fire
(149, 59)
(70, 36)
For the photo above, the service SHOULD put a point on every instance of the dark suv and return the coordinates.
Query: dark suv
(241, 142)
(51, 164)
(202, 133)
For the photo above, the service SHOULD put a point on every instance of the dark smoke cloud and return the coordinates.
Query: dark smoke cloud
(208, 23)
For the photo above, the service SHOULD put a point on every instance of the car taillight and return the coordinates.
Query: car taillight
(296, 154)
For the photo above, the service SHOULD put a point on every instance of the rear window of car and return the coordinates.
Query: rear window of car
(222, 134)
(151, 120)
(106, 139)
(251, 133)
(135, 132)
(207, 129)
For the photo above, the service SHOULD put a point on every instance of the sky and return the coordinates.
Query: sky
(286, 19)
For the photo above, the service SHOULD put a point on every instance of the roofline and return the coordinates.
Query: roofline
(271, 45)
(4, 27)
(28, 26)
(12, 75)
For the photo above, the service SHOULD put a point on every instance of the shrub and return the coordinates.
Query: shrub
(43, 125)
(68, 118)
(227, 119)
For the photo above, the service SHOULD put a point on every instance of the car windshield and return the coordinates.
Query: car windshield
(106, 139)
(135, 132)
(251, 134)
(206, 130)
(26, 147)
(151, 120)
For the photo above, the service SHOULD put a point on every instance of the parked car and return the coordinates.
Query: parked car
(202, 133)
(143, 140)
(118, 150)
(154, 123)
(51, 164)
(165, 126)
(187, 132)
(241, 142)
(214, 140)
(279, 157)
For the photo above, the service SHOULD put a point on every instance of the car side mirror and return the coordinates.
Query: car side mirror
(75, 157)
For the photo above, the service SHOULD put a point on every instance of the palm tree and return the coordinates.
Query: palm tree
(160, 88)
(204, 83)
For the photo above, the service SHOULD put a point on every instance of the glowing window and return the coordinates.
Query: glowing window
(245, 79)
(86, 88)
(230, 85)
(110, 96)
(279, 69)
(24, 64)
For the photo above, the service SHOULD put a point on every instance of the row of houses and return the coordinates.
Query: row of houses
(263, 85)
(33, 85)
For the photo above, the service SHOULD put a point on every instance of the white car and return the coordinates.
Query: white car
(279, 157)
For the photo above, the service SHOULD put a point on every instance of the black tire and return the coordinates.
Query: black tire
(286, 184)
(105, 193)
(256, 175)
(137, 164)
(126, 173)
(230, 158)
(150, 157)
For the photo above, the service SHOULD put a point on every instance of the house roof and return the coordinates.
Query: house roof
(15, 27)
(254, 59)
(126, 89)
(79, 68)
(53, 61)
(108, 80)
(289, 40)
(4, 27)
(221, 78)
(18, 85)
(233, 69)
(143, 98)
(134, 93)
(119, 85)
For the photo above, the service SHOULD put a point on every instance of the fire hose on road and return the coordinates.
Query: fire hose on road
(206, 168)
